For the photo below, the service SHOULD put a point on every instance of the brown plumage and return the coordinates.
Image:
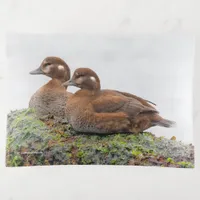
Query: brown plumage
(51, 98)
(108, 111)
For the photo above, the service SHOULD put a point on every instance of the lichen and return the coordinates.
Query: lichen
(31, 142)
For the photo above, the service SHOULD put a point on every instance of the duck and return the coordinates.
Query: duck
(103, 111)
(50, 99)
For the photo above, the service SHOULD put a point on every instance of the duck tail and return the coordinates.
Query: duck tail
(166, 123)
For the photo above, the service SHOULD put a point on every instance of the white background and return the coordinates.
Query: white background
(100, 182)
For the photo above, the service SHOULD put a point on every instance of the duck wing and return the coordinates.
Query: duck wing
(143, 101)
(114, 102)
(108, 103)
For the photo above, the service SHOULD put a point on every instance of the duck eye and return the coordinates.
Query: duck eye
(47, 64)
(79, 75)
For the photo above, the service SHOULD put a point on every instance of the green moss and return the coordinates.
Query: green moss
(69, 155)
(136, 153)
(58, 143)
(170, 160)
(9, 142)
(57, 137)
(80, 154)
(103, 150)
(185, 164)
(26, 115)
(113, 162)
(16, 160)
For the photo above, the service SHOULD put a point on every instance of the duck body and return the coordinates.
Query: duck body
(51, 98)
(108, 111)
(93, 110)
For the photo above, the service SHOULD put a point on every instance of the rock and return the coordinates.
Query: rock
(31, 142)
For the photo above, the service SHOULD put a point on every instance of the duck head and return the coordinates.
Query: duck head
(53, 67)
(84, 78)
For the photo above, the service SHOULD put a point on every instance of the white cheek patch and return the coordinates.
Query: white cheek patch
(93, 78)
(79, 80)
(60, 67)
(47, 69)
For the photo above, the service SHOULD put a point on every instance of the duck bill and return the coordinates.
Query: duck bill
(69, 83)
(37, 71)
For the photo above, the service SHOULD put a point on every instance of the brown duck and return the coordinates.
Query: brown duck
(51, 98)
(94, 110)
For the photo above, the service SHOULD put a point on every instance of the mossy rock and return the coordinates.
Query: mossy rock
(32, 142)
